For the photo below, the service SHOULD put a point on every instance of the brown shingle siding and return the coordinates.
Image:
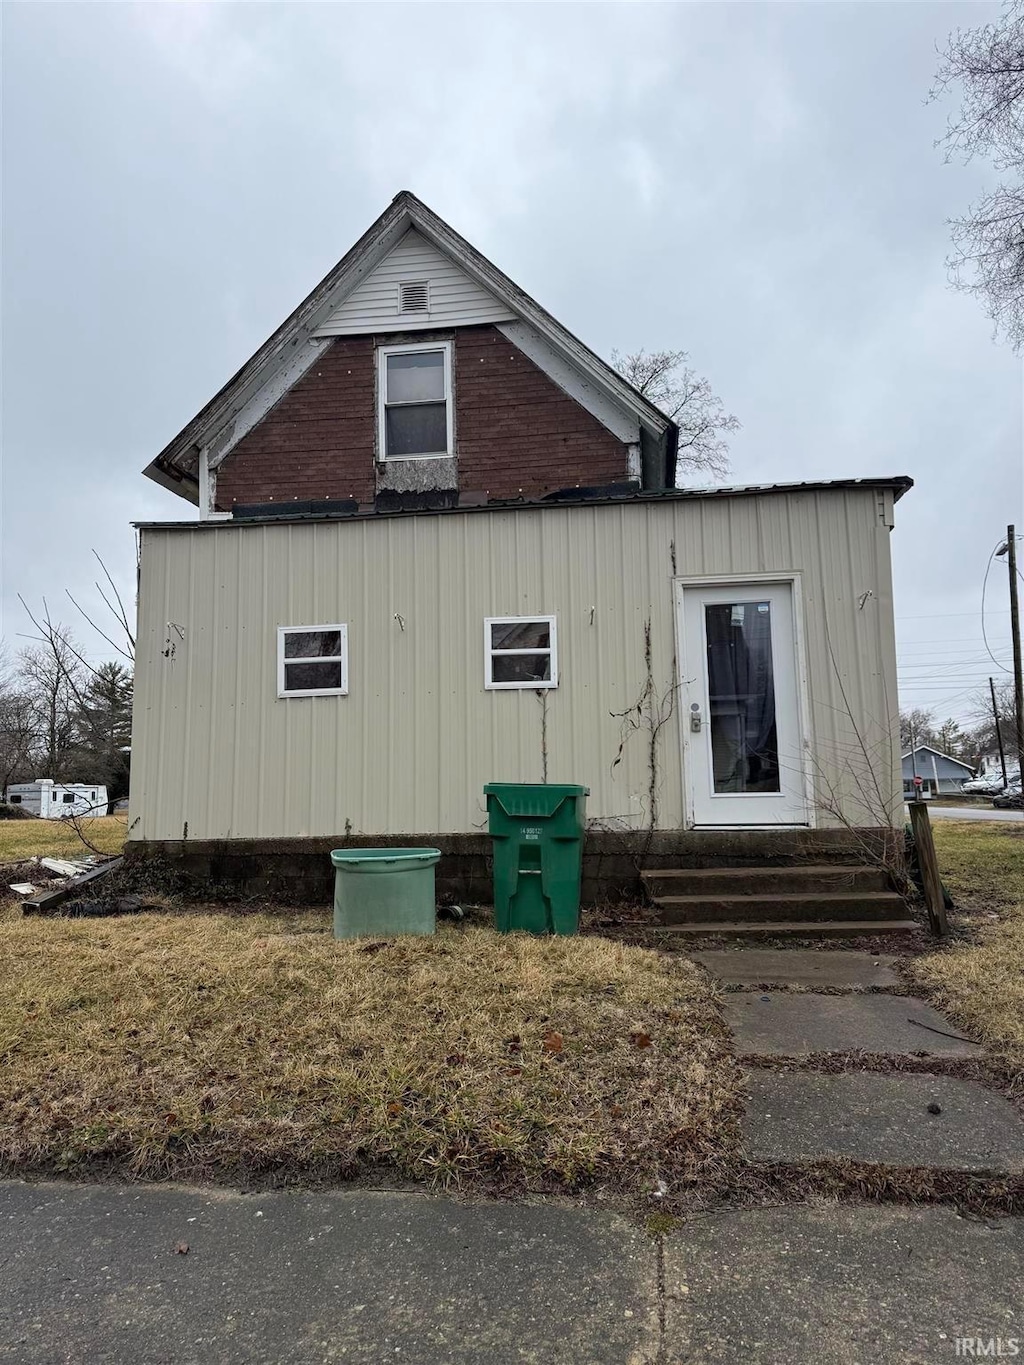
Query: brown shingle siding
(317, 442)
(515, 430)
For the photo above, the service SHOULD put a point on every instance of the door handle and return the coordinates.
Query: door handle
(695, 717)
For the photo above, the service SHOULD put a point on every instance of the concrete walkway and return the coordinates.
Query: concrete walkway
(92, 1275)
(805, 1112)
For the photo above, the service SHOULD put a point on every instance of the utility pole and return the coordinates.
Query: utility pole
(1018, 674)
(999, 733)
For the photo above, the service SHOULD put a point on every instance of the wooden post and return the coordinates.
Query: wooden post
(999, 733)
(929, 864)
(1018, 669)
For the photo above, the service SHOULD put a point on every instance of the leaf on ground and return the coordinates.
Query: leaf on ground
(552, 1041)
(182, 1248)
(640, 1039)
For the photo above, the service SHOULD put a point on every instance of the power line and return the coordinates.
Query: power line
(946, 615)
(984, 636)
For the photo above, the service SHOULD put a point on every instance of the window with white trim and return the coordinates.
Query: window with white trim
(312, 661)
(520, 651)
(414, 390)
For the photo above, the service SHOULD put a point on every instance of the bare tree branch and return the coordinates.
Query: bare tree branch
(987, 64)
(666, 380)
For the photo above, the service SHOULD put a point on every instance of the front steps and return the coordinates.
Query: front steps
(834, 900)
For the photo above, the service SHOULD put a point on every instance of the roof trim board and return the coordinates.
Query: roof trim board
(219, 423)
(898, 485)
(927, 749)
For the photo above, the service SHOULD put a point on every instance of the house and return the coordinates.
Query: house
(440, 544)
(58, 800)
(940, 774)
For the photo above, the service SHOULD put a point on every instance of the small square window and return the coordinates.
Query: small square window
(68, 798)
(312, 661)
(520, 652)
(415, 401)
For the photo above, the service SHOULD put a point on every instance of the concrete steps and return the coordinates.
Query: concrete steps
(752, 881)
(796, 899)
(795, 928)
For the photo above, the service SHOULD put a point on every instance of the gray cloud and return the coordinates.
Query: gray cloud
(755, 183)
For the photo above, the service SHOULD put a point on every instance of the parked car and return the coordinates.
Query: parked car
(1010, 799)
(979, 786)
(991, 784)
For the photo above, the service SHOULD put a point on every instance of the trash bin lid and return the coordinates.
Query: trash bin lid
(532, 798)
(383, 859)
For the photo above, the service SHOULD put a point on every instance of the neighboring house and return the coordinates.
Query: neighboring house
(439, 545)
(58, 800)
(940, 774)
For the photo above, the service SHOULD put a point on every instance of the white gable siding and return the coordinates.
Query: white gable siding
(455, 299)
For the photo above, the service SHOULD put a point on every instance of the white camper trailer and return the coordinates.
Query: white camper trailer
(57, 800)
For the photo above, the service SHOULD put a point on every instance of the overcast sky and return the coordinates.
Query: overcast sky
(754, 183)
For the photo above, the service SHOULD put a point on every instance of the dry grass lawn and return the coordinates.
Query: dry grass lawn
(204, 1046)
(21, 839)
(981, 985)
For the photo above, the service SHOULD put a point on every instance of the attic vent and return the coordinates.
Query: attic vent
(413, 296)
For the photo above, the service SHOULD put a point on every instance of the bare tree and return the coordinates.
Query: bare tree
(982, 738)
(917, 726)
(666, 380)
(17, 725)
(987, 63)
(52, 677)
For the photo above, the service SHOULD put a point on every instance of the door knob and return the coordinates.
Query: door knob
(695, 717)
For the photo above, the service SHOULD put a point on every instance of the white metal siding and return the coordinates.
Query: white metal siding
(411, 746)
(455, 299)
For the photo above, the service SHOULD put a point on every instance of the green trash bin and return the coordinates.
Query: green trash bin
(537, 835)
(384, 891)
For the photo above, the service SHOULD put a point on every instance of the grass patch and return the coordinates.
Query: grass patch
(981, 984)
(21, 839)
(207, 1046)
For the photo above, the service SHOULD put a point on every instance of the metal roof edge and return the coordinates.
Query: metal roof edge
(898, 483)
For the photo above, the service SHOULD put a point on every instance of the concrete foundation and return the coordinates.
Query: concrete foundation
(299, 871)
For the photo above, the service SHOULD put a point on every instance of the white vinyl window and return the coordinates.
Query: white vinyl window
(520, 651)
(312, 661)
(414, 390)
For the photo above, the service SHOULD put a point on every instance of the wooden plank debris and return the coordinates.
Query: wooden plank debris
(42, 904)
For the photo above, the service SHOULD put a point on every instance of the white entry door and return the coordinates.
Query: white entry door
(743, 750)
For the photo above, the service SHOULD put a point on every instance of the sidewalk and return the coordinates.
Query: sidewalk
(91, 1276)
(842, 1068)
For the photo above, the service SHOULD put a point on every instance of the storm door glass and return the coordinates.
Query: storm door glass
(741, 697)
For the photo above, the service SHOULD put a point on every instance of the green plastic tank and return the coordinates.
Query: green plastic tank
(384, 891)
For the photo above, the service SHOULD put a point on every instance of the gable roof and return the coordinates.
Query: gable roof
(927, 749)
(284, 357)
